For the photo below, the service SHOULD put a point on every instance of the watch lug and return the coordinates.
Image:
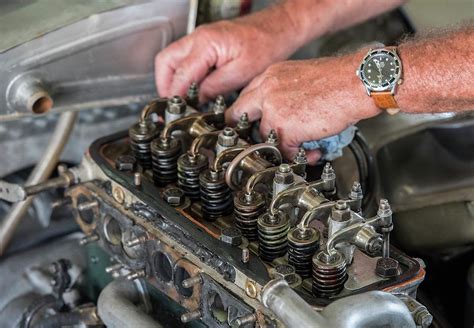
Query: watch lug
(368, 90)
(394, 89)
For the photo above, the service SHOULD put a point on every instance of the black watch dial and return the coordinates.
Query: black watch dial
(380, 70)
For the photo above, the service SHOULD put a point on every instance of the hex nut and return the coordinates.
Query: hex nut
(386, 267)
(423, 318)
(176, 105)
(228, 137)
(231, 236)
(341, 215)
(375, 245)
(125, 163)
(174, 196)
(284, 175)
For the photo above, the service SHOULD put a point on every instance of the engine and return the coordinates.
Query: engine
(221, 224)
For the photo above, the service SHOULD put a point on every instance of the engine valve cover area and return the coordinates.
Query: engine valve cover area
(209, 217)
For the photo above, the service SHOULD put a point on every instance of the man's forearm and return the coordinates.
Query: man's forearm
(438, 73)
(314, 18)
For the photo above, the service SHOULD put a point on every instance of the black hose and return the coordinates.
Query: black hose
(366, 166)
(37, 305)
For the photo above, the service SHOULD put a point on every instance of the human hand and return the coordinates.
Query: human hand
(305, 100)
(225, 56)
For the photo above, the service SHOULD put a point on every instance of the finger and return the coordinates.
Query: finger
(265, 128)
(313, 156)
(193, 68)
(166, 62)
(248, 102)
(223, 80)
(289, 152)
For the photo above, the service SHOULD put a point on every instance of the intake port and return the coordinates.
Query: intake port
(181, 274)
(217, 308)
(112, 230)
(162, 267)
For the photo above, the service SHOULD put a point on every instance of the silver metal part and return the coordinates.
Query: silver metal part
(27, 94)
(284, 178)
(219, 105)
(340, 218)
(371, 309)
(420, 313)
(41, 172)
(12, 192)
(227, 138)
(190, 316)
(117, 306)
(176, 109)
(53, 58)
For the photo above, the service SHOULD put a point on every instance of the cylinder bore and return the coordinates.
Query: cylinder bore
(112, 230)
(181, 274)
(162, 267)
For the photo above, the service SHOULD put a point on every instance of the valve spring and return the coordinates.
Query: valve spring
(247, 209)
(302, 244)
(216, 196)
(329, 274)
(165, 160)
(189, 168)
(272, 236)
(141, 134)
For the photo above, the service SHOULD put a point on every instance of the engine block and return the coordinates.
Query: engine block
(215, 220)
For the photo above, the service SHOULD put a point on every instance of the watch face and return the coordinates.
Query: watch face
(380, 70)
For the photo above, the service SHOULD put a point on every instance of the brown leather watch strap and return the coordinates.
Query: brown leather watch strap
(384, 100)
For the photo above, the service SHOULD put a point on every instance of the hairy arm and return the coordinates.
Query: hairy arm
(226, 55)
(438, 73)
(314, 18)
(312, 99)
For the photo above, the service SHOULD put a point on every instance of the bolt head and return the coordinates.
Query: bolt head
(174, 196)
(387, 267)
(176, 105)
(341, 213)
(228, 138)
(125, 163)
(231, 236)
(375, 245)
(284, 175)
(424, 318)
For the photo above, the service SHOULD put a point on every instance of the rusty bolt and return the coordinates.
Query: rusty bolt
(231, 236)
(386, 267)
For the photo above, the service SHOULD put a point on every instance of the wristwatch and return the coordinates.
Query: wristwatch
(381, 73)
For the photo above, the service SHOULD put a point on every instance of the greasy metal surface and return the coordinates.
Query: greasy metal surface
(433, 166)
(14, 282)
(24, 141)
(115, 51)
(22, 21)
(106, 149)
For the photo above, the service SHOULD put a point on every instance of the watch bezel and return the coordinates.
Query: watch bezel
(394, 81)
